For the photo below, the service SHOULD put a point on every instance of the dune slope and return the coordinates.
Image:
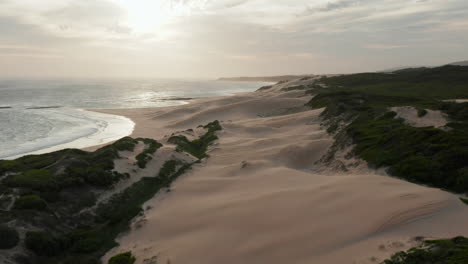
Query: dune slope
(261, 196)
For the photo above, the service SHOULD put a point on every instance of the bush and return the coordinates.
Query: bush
(197, 147)
(144, 157)
(422, 112)
(122, 258)
(450, 251)
(125, 144)
(44, 244)
(34, 179)
(30, 202)
(9, 237)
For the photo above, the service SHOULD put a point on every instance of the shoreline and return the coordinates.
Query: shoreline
(111, 128)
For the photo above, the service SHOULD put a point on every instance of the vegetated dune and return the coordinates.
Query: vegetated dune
(261, 197)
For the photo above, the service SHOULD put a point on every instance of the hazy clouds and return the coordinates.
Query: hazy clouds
(202, 38)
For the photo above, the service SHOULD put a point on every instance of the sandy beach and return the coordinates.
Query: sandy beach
(263, 196)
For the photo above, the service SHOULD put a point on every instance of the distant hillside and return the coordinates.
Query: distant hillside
(264, 78)
(459, 63)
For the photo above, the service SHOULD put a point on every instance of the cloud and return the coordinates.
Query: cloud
(385, 46)
(237, 36)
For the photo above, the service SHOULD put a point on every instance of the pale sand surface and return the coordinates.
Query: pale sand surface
(410, 115)
(260, 198)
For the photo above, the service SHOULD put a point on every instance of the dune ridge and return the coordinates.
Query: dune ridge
(263, 196)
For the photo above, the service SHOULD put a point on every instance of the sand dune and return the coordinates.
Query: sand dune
(261, 198)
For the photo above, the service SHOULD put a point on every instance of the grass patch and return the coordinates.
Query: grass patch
(30, 202)
(464, 200)
(144, 157)
(33, 179)
(446, 251)
(198, 147)
(123, 258)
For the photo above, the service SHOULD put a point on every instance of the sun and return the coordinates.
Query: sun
(149, 15)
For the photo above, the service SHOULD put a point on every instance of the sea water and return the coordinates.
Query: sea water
(39, 116)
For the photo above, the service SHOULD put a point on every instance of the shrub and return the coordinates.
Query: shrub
(9, 237)
(125, 144)
(444, 251)
(144, 157)
(43, 244)
(197, 147)
(30, 202)
(34, 179)
(422, 112)
(122, 258)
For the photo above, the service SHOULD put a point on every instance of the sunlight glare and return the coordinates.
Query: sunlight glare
(148, 15)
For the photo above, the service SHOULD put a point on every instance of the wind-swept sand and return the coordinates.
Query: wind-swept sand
(260, 197)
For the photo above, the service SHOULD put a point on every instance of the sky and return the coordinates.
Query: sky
(214, 38)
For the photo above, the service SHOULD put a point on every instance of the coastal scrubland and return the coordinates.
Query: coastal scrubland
(270, 191)
(53, 210)
(358, 107)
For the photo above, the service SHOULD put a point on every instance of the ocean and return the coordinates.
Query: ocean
(39, 116)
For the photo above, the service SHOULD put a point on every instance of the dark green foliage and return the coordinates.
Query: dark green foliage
(437, 157)
(122, 258)
(425, 155)
(198, 147)
(453, 251)
(9, 237)
(126, 205)
(69, 180)
(145, 156)
(125, 144)
(447, 82)
(30, 202)
(422, 112)
(464, 200)
(44, 244)
(34, 179)
(84, 241)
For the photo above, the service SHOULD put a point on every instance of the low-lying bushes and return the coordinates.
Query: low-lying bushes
(450, 251)
(122, 258)
(198, 147)
(33, 179)
(9, 237)
(44, 244)
(144, 157)
(30, 202)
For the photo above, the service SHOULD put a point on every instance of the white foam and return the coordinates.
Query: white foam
(86, 129)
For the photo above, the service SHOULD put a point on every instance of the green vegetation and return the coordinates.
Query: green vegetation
(30, 202)
(422, 112)
(198, 147)
(122, 258)
(9, 237)
(58, 193)
(464, 200)
(33, 179)
(436, 157)
(452, 251)
(44, 244)
(145, 156)
(125, 144)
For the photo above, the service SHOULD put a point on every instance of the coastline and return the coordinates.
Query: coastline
(264, 197)
(110, 128)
